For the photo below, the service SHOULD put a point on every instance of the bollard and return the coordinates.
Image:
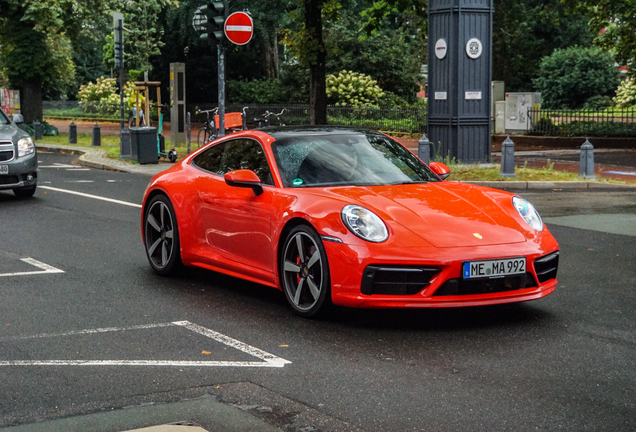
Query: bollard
(424, 150)
(586, 165)
(37, 127)
(124, 144)
(507, 158)
(97, 135)
(72, 133)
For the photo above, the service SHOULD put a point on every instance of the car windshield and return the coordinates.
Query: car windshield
(348, 159)
(3, 118)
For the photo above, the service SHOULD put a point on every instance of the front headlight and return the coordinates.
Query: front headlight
(528, 213)
(25, 147)
(364, 223)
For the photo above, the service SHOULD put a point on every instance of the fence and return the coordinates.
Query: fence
(405, 120)
(582, 123)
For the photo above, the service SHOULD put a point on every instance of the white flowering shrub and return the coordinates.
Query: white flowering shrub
(626, 94)
(102, 97)
(350, 88)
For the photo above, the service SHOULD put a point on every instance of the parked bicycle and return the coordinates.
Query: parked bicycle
(208, 131)
(233, 121)
(266, 121)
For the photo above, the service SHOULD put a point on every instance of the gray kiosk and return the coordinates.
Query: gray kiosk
(459, 78)
(178, 104)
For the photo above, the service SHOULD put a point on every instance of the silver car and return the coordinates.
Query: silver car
(18, 159)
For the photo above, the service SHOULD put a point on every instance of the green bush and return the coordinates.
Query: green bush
(598, 103)
(265, 91)
(544, 127)
(569, 77)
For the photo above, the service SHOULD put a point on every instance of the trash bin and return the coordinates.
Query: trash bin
(143, 142)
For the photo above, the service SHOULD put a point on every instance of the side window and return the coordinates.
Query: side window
(210, 160)
(246, 154)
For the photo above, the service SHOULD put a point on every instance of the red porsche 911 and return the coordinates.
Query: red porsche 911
(347, 217)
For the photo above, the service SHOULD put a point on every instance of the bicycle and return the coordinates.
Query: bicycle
(265, 118)
(208, 132)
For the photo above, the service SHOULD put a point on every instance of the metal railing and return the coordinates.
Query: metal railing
(582, 123)
(406, 120)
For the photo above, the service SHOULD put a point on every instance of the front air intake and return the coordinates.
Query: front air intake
(401, 280)
(546, 267)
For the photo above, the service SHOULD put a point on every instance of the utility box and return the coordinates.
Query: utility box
(143, 142)
(10, 101)
(517, 106)
(177, 104)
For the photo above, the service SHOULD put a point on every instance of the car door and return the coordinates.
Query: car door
(234, 221)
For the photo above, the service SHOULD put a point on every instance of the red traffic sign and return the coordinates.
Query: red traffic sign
(239, 28)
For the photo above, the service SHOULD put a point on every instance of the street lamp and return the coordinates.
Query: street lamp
(200, 21)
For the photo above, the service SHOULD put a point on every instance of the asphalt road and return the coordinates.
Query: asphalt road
(565, 362)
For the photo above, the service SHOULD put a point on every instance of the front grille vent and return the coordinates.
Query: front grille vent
(546, 267)
(6, 152)
(459, 287)
(401, 280)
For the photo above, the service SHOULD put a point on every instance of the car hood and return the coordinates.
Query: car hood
(10, 132)
(444, 214)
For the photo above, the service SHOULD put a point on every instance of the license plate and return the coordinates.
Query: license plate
(494, 268)
(4, 169)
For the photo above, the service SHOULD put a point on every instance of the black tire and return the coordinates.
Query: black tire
(204, 137)
(172, 156)
(304, 272)
(161, 237)
(26, 192)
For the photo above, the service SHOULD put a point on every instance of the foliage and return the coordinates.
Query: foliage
(626, 93)
(143, 36)
(258, 91)
(353, 89)
(525, 31)
(597, 103)
(569, 77)
(612, 22)
(545, 127)
(392, 54)
(101, 97)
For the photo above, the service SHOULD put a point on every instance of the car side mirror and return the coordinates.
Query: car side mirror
(244, 178)
(18, 119)
(442, 170)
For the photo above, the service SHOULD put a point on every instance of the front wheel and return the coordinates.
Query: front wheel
(26, 192)
(304, 272)
(204, 137)
(161, 234)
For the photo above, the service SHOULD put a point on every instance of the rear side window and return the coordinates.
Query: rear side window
(233, 155)
(210, 160)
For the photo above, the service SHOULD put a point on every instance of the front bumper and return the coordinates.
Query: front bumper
(442, 287)
(22, 173)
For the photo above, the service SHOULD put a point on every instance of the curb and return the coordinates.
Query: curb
(557, 185)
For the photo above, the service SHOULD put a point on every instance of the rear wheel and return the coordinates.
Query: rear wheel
(304, 272)
(24, 192)
(161, 235)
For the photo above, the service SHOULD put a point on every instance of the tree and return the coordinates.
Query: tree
(569, 77)
(35, 44)
(613, 23)
(525, 31)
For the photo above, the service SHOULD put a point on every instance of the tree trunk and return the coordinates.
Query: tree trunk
(269, 46)
(317, 65)
(31, 103)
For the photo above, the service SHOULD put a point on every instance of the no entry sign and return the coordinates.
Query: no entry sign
(239, 28)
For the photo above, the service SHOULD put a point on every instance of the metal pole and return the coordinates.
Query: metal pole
(124, 135)
(221, 58)
(189, 130)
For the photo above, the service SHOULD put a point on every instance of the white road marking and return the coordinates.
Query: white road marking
(91, 196)
(78, 169)
(269, 360)
(58, 165)
(80, 181)
(45, 268)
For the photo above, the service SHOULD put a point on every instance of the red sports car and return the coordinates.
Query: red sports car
(348, 217)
